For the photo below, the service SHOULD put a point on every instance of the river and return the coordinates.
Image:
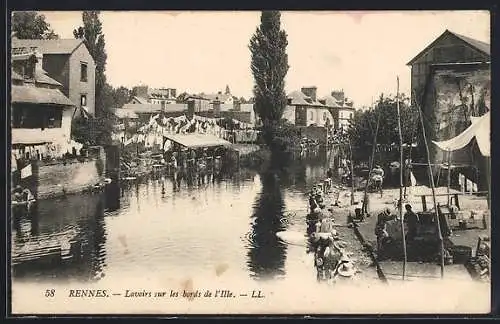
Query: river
(225, 223)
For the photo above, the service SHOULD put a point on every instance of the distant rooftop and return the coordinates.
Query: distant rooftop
(49, 46)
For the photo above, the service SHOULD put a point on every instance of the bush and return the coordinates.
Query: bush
(282, 136)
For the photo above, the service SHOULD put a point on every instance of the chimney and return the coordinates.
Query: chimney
(216, 105)
(31, 64)
(310, 92)
(339, 95)
(190, 110)
(39, 60)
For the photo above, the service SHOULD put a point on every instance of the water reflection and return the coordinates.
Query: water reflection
(266, 256)
(112, 194)
(171, 222)
(62, 238)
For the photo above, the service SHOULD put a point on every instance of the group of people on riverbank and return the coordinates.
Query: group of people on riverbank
(174, 160)
(331, 259)
(388, 227)
(192, 158)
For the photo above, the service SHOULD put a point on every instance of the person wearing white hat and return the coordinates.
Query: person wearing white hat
(346, 269)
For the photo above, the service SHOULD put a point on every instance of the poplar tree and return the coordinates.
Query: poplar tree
(269, 66)
(92, 35)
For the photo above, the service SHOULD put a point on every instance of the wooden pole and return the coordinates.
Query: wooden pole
(371, 165)
(401, 181)
(431, 179)
(488, 178)
(448, 185)
(409, 160)
(352, 171)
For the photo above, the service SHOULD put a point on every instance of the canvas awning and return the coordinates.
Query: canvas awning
(197, 140)
(480, 130)
(34, 95)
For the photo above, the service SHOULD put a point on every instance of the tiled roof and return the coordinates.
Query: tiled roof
(42, 77)
(479, 45)
(49, 46)
(197, 97)
(143, 108)
(140, 99)
(217, 96)
(301, 99)
(331, 102)
(27, 94)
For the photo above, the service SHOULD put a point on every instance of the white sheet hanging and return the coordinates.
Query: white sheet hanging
(480, 129)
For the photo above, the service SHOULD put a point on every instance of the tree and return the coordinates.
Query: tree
(269, 64)
(121, 96)
(31, 25)
(364, 123)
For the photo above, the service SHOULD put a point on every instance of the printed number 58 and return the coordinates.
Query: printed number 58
(50, 292)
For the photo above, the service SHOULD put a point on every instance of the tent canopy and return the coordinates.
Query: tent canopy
(480, 130)
(197, 140)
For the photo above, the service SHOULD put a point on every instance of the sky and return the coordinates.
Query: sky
(360, 52)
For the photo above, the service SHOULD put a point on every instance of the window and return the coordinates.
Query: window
(325, 116)
(33, 116)
(311, 115)
(83, 72)
(83, 100)
(350, 115)
(54, 118)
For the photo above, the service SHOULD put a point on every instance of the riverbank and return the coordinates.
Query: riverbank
(418, 270)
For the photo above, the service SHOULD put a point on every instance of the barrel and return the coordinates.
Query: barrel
(461, 254)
